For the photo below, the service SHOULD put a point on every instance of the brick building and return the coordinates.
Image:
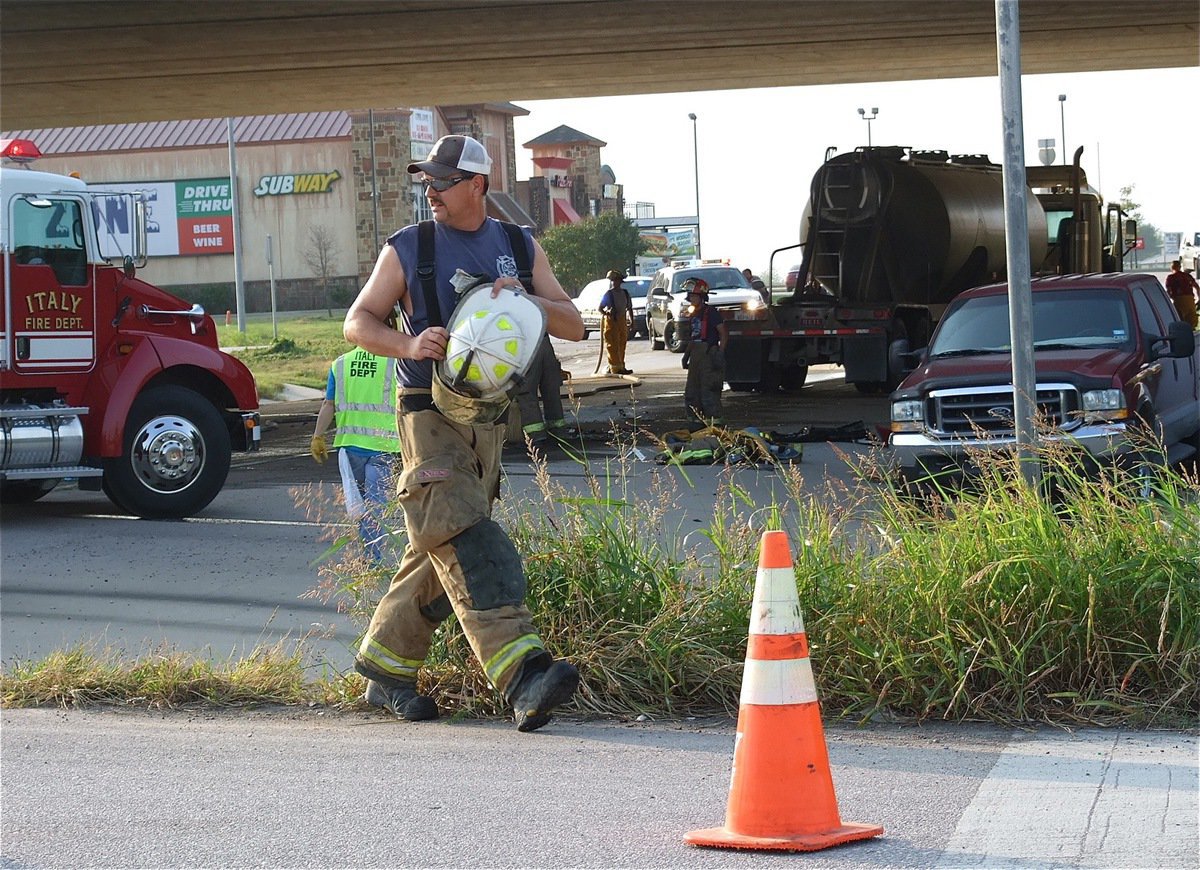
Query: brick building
(326, 187)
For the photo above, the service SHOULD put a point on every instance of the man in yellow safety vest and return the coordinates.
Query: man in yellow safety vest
(360, 397)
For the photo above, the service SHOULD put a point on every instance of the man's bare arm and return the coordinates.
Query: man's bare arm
(562, 317)
(366, 324)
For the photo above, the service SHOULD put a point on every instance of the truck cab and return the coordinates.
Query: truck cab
(104, 378)
(1114, 365)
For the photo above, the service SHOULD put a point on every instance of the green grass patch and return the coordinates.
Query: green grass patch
(294, 351)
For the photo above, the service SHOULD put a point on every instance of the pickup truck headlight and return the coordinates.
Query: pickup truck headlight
(1104, 405)
(908, 415)
(756, 304)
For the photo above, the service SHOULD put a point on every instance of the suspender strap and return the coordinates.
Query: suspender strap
(427, 266)
(426, 273)
(516, 241)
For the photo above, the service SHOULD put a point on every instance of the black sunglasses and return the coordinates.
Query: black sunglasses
(441, 185)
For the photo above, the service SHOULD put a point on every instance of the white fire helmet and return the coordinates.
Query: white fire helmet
(492, 345)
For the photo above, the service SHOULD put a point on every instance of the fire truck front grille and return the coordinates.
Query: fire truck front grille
(990, 410)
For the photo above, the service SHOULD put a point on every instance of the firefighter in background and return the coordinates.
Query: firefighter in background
(616, 306)
(1183, 290)
(542, 421)
(360, 401)
(758, 284)
(705, 356)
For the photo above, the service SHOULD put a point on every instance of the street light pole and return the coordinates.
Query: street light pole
(696, 170)
(869, 118)
(1062, 117)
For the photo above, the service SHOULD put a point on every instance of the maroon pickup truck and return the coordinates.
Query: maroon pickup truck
(1111, 355)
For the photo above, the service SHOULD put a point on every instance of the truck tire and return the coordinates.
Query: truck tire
(793, 377)
(1148, 461)
(25, 491)
(671, 337)
(175, 457)
(656, 343)
(770, 379)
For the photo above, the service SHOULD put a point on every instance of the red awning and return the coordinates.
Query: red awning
(564, 214)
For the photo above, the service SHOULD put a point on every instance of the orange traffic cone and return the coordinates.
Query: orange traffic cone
(781, 791)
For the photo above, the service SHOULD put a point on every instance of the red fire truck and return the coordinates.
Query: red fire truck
(104, 378)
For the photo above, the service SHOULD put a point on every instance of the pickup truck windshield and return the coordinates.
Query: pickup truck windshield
(1062, 320)
(718, 279)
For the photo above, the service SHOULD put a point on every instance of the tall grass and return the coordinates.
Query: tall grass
(994, 604)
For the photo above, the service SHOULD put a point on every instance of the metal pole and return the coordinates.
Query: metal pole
(238, 285)
(374, 176)
(862, 113)
(696, 165)
(1016, 231)
(271, 270)
(1062, 120)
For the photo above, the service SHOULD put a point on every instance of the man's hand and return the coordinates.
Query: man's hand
(319, 448)
(507, 282)
(430, 344)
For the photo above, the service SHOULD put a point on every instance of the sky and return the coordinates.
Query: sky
(759, 148)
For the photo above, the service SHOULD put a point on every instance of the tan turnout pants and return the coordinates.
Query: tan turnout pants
(615, 333)
(457, 559)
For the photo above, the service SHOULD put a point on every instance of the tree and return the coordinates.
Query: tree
(320, 254)
(1146, 230)
(581, 252)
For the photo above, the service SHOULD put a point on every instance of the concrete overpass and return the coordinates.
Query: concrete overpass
(68, 63)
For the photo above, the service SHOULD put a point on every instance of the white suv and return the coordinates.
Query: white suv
(728, 291)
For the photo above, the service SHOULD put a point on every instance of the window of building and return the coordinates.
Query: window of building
(420, 206)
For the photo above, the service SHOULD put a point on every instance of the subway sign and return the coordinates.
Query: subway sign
(299, 182)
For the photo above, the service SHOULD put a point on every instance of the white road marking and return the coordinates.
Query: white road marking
(1112, 800)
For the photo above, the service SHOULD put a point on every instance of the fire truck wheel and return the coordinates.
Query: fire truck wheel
(24, 491)
(176, 455)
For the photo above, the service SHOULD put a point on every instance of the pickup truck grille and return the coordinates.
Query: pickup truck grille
(989, 410)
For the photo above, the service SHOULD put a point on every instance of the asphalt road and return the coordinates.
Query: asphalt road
(215, 789)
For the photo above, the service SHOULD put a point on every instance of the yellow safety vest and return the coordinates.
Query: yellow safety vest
(364, 402)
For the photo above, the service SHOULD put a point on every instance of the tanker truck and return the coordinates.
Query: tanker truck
(890, 236)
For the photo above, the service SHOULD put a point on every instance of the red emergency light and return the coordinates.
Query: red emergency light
(19, 150)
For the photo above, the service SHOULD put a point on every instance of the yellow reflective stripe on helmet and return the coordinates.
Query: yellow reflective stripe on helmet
(387, 661)
(509, 654)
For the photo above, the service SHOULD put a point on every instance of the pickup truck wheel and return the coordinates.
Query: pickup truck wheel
(671, 338)
(1191, 464)
(175, 458)
(1148, 461)
(656, 343)
(24, 491)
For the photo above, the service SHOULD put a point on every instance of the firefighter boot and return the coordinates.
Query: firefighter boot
(539, 691)
(401, 700)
